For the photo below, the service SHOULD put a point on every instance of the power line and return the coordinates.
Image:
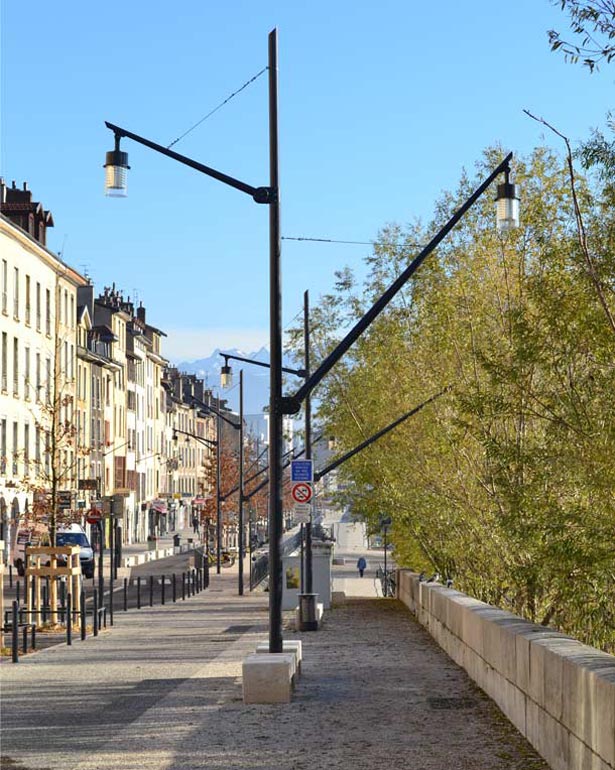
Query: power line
(209, 114)
(358, 243)
(326, 240)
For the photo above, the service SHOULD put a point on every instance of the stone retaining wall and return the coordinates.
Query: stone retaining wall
(559, 693)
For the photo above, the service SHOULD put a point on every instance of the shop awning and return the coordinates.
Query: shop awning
(201, 500)
(159, 506)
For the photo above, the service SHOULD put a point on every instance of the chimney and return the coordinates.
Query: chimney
(141, 313)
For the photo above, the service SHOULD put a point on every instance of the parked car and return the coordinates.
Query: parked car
(75, 535)
(26, 534)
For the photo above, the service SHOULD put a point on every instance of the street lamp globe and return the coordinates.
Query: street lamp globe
(116, 172)
(507, 205)
(226, 376)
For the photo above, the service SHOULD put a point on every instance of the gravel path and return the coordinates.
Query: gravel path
(163, 691)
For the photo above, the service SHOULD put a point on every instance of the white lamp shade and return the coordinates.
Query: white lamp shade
(507, 207)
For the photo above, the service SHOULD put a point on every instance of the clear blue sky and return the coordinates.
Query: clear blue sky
(381, 107)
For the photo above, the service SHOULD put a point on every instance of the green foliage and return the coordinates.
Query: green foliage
(593, 21)
(506, 483)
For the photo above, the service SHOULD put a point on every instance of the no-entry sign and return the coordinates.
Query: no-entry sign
(302, 492)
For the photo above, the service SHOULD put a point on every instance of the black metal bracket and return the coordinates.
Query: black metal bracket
(289, 405)
(265, 195)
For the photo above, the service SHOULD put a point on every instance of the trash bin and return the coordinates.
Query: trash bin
(176, 539)
(307, 612)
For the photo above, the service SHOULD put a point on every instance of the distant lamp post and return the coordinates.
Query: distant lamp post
(507, 205)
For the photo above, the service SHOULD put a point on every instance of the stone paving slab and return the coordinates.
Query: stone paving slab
(163, 691)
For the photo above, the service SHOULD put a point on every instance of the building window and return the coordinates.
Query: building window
(16, 294)
(26, 373)
(72, 312)
(48, 312)
(3, 446)
(66, 318)
(15, 366)
(37, 395)
(26, 449)
(15, 446)
(5, 288)
(5, 356)
(27, 300)
(47, 452)
(37, 446)
(48, 382)
(38, 306)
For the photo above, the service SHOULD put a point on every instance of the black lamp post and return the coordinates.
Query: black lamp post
(116, 167)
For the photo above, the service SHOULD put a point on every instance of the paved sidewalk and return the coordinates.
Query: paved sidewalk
(162, 691)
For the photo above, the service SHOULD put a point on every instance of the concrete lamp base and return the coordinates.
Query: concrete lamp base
(268, 678)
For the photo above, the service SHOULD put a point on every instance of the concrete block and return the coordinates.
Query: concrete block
(603, 700)
(546, 670)
(549, 737)
(268, 678)
(511, 702)
(293, 646)
(499, 647)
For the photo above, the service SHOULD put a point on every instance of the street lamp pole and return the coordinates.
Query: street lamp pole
(218, 495)
(240, 538)
(309, 571)
(275, 372)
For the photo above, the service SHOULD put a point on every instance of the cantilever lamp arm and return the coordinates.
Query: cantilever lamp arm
(259, 194)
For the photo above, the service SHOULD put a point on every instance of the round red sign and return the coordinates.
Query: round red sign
(302, 492)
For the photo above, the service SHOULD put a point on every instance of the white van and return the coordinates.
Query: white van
(74, 534)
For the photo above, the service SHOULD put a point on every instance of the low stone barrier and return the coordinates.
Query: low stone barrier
(559, 693)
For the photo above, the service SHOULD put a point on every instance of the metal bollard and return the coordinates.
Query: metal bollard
(33, 636)
(183, 586)
(174, 590)
(95, 614)
(82, 614)
(125, 594)
(69, 619)
(151, 590)
(10, 575)
(45, 602)
(62, 594)
(24, 646)
(111, 604)
(104, 612)
(162, 590)
(138, 593)
(15, 633)
(17, 591)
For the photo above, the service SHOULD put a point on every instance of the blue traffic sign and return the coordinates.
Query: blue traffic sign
(301, 470)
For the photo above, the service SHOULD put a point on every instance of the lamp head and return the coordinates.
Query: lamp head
(175, 437)
(226, 375)
(507, 205)
(116, 171)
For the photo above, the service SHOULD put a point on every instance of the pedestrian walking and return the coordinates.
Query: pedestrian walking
(361, 566)
(195, 524)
